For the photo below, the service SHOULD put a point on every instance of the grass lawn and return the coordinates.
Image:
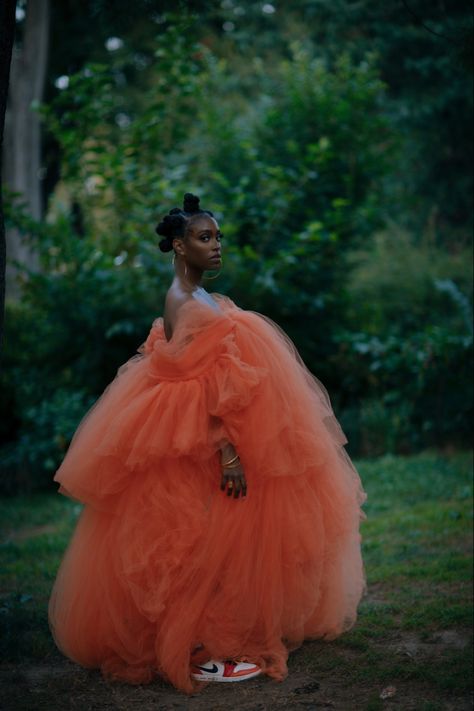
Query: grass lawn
(414, 631)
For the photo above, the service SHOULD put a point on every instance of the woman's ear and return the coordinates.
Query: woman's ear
(178, 246)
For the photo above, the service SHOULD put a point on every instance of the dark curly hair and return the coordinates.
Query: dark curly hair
(175, 222)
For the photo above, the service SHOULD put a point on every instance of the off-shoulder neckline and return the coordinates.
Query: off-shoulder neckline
(219, 311)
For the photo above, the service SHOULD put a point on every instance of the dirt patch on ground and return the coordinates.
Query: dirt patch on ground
(60, 684)
(412, 646)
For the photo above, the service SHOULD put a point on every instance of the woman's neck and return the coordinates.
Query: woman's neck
(189, 277)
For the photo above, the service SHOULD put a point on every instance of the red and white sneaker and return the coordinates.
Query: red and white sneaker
(224, 671)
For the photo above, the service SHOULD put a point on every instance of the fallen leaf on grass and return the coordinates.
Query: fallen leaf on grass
(388, 692)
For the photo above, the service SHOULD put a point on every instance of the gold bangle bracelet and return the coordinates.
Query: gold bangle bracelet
(231, 466)
(224, 464)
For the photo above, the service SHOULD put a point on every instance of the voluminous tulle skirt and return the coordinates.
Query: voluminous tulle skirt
(161, 561)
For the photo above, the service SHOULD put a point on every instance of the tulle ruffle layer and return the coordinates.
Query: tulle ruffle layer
(161, 560)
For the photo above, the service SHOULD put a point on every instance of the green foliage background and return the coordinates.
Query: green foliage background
(330, 140)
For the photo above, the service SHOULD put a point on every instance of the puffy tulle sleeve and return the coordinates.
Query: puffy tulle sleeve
(172, 399)
(241, 379)
(195, 382)
(234, 375)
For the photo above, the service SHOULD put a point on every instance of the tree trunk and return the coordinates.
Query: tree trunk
(22, 148)
(7, 33)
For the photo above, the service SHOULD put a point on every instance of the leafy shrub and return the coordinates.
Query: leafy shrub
(46, 430)
(411, 345)
(79, 320)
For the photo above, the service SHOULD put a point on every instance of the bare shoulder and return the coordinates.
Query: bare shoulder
(175, 298)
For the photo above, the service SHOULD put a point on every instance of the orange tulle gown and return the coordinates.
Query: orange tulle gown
(161, 560)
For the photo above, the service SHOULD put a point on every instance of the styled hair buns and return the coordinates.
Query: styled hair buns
(174, 223)
(191, 203)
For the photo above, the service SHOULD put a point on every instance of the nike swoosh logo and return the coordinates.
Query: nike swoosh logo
(214, 669)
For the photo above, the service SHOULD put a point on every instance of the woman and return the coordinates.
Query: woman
(221, 518)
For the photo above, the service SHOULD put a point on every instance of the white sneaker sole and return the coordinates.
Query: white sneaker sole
(218, 678)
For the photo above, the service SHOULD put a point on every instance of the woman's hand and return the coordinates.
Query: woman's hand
(233, 478)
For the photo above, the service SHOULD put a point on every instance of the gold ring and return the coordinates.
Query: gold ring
(230, 484)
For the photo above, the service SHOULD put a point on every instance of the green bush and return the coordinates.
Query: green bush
(409, 354)
(79, 319)
(46, 430)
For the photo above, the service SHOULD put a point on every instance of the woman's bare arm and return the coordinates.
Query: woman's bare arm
(173, 302)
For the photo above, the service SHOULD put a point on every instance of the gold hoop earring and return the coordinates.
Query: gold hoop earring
(185, 265)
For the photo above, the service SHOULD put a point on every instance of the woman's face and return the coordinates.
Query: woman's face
(201, 246)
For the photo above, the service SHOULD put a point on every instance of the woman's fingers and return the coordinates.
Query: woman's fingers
(239, 487)
(233, 486)
(234, 483)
